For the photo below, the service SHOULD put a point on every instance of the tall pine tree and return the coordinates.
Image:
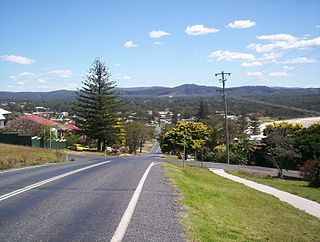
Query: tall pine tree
(203, 111)
(97, 105)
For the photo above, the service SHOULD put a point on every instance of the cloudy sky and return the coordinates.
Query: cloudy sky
(50, 45)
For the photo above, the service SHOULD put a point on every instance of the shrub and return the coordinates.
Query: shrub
(311, 172)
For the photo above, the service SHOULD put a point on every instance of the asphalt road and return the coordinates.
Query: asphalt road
(85, 201)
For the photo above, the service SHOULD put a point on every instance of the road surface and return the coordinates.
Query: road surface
(85, 200)
(94, 199)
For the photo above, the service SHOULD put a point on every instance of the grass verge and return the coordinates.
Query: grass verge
(299, 188)
(84, 153)
(15, 156)
(217, 209)
(166, 156)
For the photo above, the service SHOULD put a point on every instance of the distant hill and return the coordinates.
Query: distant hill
(183, 90)
(27, 96)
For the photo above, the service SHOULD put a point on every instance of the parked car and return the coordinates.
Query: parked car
(76, 147)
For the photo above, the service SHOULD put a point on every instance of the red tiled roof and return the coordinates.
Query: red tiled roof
(39, 120)
(71, 127)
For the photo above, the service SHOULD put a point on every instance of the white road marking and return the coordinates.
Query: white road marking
(123, 225)
(301, 203)
(32, 186)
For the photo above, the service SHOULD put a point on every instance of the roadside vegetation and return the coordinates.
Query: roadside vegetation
(217, 209)
(15, 156)
(85, 153)
(299, 188)
(285, 146)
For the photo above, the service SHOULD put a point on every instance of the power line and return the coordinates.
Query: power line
(277, 105)
(272, 63)
(226, 132)
(311, 53)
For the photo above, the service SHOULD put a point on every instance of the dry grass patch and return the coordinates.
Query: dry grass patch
(14, 156)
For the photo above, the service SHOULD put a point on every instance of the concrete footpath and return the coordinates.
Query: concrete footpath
(306, 205)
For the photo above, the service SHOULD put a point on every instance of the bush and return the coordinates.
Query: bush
(311, 172)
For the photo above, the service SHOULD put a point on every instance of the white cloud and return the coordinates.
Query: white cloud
(25, 75)
(20, 83)
(288, 67)
(241, 24)
(158, 34)
(130, 44)
(73, 85)
(158, 43)
(298, 60)
(126, 77)
(17, 59)
(271, 56)
(62, 73)
(117, 64)
(231, 56)
(278, 74)
(28, 75)
(42, 80)
(283, 41)
(254, 73)
(199, 29)
(249, 64)
(277, 37)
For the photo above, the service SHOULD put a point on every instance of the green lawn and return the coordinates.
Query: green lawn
(299, 188)
(217, 209)
(166, 156)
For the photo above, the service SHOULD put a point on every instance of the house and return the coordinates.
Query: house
(58, 129)
(5, 117)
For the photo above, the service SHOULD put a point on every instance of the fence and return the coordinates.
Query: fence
(26, 140)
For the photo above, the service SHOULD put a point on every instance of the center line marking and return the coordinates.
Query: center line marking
(123, 225)
(35, 185)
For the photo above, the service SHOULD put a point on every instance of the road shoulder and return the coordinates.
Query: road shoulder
(156, 215)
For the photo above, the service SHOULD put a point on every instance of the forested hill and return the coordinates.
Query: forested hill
(183, 90)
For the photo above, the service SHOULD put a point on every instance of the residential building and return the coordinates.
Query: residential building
(5, 117)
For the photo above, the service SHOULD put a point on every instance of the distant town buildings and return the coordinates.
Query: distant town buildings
(5, 117)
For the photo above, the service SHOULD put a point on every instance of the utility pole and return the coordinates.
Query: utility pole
(226, 132)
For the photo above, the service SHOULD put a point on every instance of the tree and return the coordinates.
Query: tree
(203, 110)
(307, 141)
(189, 135)
(137, 133)
(255, 129)
(25, 126)
(280, 143)
(97, 106)
(284, 127)
(241, 151)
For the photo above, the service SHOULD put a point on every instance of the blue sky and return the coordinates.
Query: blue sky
(50, 45)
